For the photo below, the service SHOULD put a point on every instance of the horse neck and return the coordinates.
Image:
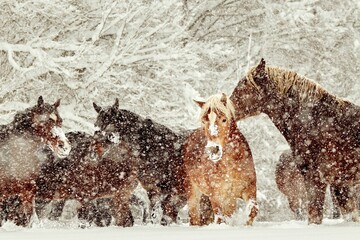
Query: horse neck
(233, 133)
(131, 134)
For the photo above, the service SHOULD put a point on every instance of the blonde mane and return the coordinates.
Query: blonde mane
(288, 82)
(214, 103)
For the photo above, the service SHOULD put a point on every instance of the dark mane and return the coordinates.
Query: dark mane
(159, 154)
(23, 121)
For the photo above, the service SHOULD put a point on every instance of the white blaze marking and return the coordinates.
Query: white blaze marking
(53, 117)
(65, 150)
(213, 128)
(114, 138)
(58, 132)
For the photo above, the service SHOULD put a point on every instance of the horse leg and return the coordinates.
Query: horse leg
(335, 207)
(103, 212)
(121, 209)
(86, 213)
(290, 182)
(28, 207)
(346, 202)
(40, 205)
(206, 212)
(171, 205)
(249, 196)
(56, 209)
(2, 211)
(194, 197)
(218, 208)
(155, 205)
(11, 210)
(140, 204)
(316, 190)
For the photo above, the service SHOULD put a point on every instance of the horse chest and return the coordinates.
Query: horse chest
(19, 158)
(215, 177)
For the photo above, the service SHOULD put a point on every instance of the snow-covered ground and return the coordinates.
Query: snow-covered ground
(289, 230)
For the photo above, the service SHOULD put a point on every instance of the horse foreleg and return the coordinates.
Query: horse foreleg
(171, 205)
(206, 211)
(28, 206)
(335, 211)
(249, 196)
(85, 213)
(291, 183)
(155, 198)
(346, 201)
(316, 196)
(194, 196)
(219, 208)
(102, 212)
(121, 209)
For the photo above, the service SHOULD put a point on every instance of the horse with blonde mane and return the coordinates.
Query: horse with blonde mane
(323, 132)
(219, 164)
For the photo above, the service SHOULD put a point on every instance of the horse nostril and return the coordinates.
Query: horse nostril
(61, 144)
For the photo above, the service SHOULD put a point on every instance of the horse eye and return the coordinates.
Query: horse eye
(224, 120)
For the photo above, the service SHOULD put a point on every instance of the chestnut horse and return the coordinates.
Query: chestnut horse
(219, 163)
(160, 157)
(323, 132)
(21, 144)
(95, 169)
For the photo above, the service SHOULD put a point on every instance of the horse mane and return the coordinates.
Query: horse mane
(22, 121)
(214, 103)
(289, 82)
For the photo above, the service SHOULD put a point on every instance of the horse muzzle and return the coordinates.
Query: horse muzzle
(63, 149)
(214, 151)
(60, 145)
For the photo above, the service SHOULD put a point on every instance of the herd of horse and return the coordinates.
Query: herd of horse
(208, 168)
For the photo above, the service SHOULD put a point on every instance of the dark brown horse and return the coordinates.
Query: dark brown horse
(323, 132)
(291, 183)
(160, 157)
(94, 170)
(219, 163)
(21, 144)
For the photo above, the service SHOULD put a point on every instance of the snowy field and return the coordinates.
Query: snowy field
(292, 230)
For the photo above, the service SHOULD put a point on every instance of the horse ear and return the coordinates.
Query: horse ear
(96, 107)
(261, 66)
(40, 102)
(199, 103)
(57, 103)
(223, 99)
(116, 104)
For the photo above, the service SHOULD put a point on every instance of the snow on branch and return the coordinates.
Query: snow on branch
(42, 58)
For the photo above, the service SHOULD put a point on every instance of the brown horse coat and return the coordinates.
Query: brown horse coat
(322, 130)
(86, 175)
(21, 144)
(224, 181)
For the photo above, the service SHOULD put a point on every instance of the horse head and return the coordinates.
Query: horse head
(44, 121)
(217, 118)
(116, 123)
(250, 93)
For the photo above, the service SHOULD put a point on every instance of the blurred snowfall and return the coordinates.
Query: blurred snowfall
(156, 56)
